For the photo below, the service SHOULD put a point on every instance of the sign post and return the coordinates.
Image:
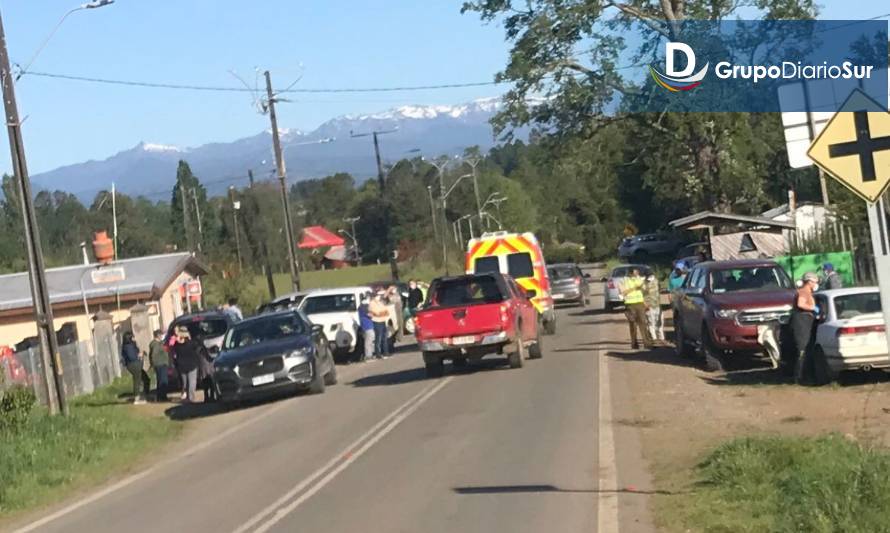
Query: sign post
(854, 148)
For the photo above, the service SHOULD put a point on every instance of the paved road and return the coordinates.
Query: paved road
(488, 449)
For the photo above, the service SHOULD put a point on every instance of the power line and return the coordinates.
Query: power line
(212, 88)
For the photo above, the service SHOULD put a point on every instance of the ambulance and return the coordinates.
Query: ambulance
(520, 256)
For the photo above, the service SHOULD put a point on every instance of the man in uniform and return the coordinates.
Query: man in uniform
(635, 308)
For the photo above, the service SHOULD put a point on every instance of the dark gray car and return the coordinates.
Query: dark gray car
(568, 284)
(273, 353)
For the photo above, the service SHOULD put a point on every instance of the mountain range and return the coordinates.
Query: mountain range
(150, 169)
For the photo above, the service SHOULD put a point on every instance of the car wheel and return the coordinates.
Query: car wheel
(536, 350)
(435, 367)
(715, 358)
(681, 345)
(331, 377)
(822, 373)
(550, 326)
(517, 357)
(318, 381)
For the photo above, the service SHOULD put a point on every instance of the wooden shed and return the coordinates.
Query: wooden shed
(739, 236)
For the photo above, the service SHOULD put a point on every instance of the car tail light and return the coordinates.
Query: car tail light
(860, 330)
(611, 284)
(505, 317)
(577, 281)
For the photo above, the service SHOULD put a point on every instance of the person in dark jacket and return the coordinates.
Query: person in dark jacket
(187, 352)
(415, 297)
(160, 362)
(132, 360)
(831, 279)
(205, 373)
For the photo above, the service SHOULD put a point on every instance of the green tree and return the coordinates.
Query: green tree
(189, 232)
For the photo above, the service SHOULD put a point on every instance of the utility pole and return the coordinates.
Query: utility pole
(235, 207)
(387, 222)
(250, 177)
(114, 217)
(440, 167)
(352, 221)
(184, 202)
(43, 312)
(429, 190)
(282, 179)
(473, 162)
(198, 216)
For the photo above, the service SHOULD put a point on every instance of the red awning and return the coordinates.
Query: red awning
(319, 237)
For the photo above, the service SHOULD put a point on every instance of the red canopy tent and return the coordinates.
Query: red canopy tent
(319, 237)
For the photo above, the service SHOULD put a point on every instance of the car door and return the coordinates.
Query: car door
(825, 335)
(526, 311)
(696, 303)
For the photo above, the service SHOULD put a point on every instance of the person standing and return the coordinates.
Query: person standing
(159, 360)
(367, 325)
(415, 297)
(133, 362)
(635, 308)
(231, 308)
(379, 312)
(803, 317)
(832, 279)
(654, 317)
(678, 276)
(187, 361)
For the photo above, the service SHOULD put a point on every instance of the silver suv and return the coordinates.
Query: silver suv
(641, 246)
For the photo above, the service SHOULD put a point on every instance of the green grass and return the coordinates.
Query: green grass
(50, 457)
(785, 484)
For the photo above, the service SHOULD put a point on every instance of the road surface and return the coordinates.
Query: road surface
(482, 450)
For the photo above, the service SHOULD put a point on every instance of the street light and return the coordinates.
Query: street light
(89, 5)
(43, 311)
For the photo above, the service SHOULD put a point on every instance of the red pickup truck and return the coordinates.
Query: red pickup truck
(469, 317)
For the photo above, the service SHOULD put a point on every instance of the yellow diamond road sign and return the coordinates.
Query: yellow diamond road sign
(854, 147)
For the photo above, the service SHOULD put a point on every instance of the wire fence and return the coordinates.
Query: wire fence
(87, 365)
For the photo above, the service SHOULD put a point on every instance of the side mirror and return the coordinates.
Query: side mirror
(587, 275)
(317, 329)
(531, 293)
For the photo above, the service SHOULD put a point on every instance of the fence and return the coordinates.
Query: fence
(86, 366)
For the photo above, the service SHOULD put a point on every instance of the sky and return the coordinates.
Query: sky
(324, 43)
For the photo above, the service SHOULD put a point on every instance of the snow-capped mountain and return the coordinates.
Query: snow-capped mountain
(150, 168)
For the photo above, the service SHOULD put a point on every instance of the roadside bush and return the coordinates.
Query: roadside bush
(792, 484)
(16, 405)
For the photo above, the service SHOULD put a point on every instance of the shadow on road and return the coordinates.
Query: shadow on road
(768, 376)
(662, 355)
(187, 411)
(523, 489)
(419, 374)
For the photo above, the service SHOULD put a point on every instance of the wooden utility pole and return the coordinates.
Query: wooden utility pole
(282, 180)
(235, 207)
(43, 311)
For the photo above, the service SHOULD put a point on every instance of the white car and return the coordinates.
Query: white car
(850, 332)
(336, 311)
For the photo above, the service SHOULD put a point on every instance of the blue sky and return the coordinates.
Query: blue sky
(340, 43)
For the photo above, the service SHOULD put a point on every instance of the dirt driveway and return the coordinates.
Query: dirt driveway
(682, 412)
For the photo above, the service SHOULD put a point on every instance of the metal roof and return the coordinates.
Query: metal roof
(151, 274)
(710, 218)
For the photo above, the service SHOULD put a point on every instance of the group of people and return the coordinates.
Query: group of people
(374, 316)
(189, 356)
(642, 307)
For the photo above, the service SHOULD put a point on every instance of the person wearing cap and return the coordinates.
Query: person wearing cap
(187, 358)
(635, 308)
(677, 277)
(803, 317)
(831, 279)
(379, 312)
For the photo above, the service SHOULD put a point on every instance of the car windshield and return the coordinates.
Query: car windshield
(749, 279)
(624, 271)
(204, 328)
(264, 330)
(561, 272)
(853, 305)
(334, 303)
(466, 291)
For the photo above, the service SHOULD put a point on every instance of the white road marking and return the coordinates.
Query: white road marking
(278, 510)
(140, 475)
(607, 495)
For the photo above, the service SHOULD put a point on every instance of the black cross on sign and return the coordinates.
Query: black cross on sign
(864, 146)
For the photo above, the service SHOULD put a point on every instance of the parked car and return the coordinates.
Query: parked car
(721, 304)
(641, 246)
(286, 301)
(273, 353)
(850, 331)
(614, 281)
(469, 317)
(569, 284)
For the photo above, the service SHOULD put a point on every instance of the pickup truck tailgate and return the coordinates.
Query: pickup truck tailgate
(443, 322)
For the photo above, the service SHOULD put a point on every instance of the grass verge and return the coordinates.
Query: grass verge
(785, 484)
(50, 457)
